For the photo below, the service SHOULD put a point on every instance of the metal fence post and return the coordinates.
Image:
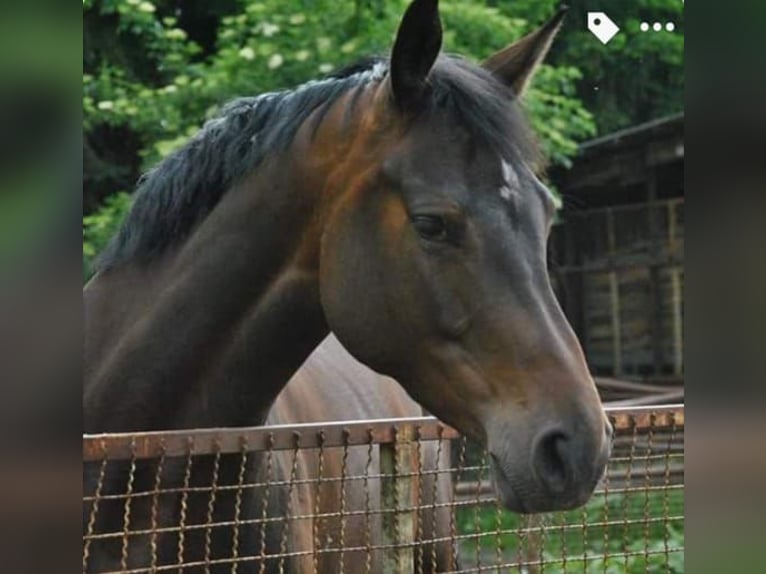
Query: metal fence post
(397, 488)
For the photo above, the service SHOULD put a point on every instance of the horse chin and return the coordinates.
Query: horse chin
(509, 496)
(515, 497)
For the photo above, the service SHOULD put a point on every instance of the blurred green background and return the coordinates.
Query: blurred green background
(154, 71)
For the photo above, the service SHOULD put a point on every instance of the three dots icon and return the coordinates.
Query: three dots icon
(603, 28)
(657, 26)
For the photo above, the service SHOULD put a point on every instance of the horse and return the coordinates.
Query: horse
(396, 204)
(330, 386)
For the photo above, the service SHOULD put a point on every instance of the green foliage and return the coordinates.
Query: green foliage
(636, 540)
(98, 227)
(558, 116)
(637, 76)
(141, 73)
(154, 70)
(272, 44)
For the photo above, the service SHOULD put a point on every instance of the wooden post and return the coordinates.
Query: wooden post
(672, 228)
(676, 294)
(614, 297)
(573, 283)
(534, 550)
(655, 278)
(678, 337)
(396, 462)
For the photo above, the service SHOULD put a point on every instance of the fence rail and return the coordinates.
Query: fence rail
(394, 495)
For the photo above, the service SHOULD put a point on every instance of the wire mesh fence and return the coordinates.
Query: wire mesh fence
(404, 495)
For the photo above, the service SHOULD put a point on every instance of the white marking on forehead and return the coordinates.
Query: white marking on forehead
(511, 181)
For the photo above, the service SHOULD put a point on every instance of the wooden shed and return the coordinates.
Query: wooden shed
(617, 251)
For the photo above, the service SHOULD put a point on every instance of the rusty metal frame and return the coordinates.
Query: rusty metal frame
(647, 460)
(142, 445)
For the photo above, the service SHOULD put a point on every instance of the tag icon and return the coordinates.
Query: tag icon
(602, 27)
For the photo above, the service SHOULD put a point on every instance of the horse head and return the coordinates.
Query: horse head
(432, 263)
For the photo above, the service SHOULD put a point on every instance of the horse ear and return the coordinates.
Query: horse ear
(516, 64)
(416, 48)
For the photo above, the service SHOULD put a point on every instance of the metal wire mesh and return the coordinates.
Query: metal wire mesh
(406, 495)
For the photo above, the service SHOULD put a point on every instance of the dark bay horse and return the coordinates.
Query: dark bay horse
(332, 386)
(394, 204)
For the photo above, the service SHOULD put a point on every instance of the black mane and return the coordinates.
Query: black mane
(174, 197)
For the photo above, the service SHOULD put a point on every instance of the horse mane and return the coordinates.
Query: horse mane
(174, 197)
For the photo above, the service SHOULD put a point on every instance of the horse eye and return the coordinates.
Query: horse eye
(430, 227)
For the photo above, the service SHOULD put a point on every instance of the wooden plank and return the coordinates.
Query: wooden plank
(678, 341)
(654, 310)
(388, 500)
(614, 299)
(397, 490)
(625, 262)
(672, 226)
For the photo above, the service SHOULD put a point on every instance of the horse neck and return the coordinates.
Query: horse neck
(209, 335)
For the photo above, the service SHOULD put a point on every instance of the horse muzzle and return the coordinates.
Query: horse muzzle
(558, 469)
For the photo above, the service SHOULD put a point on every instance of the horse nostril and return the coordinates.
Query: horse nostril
(551, 460)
